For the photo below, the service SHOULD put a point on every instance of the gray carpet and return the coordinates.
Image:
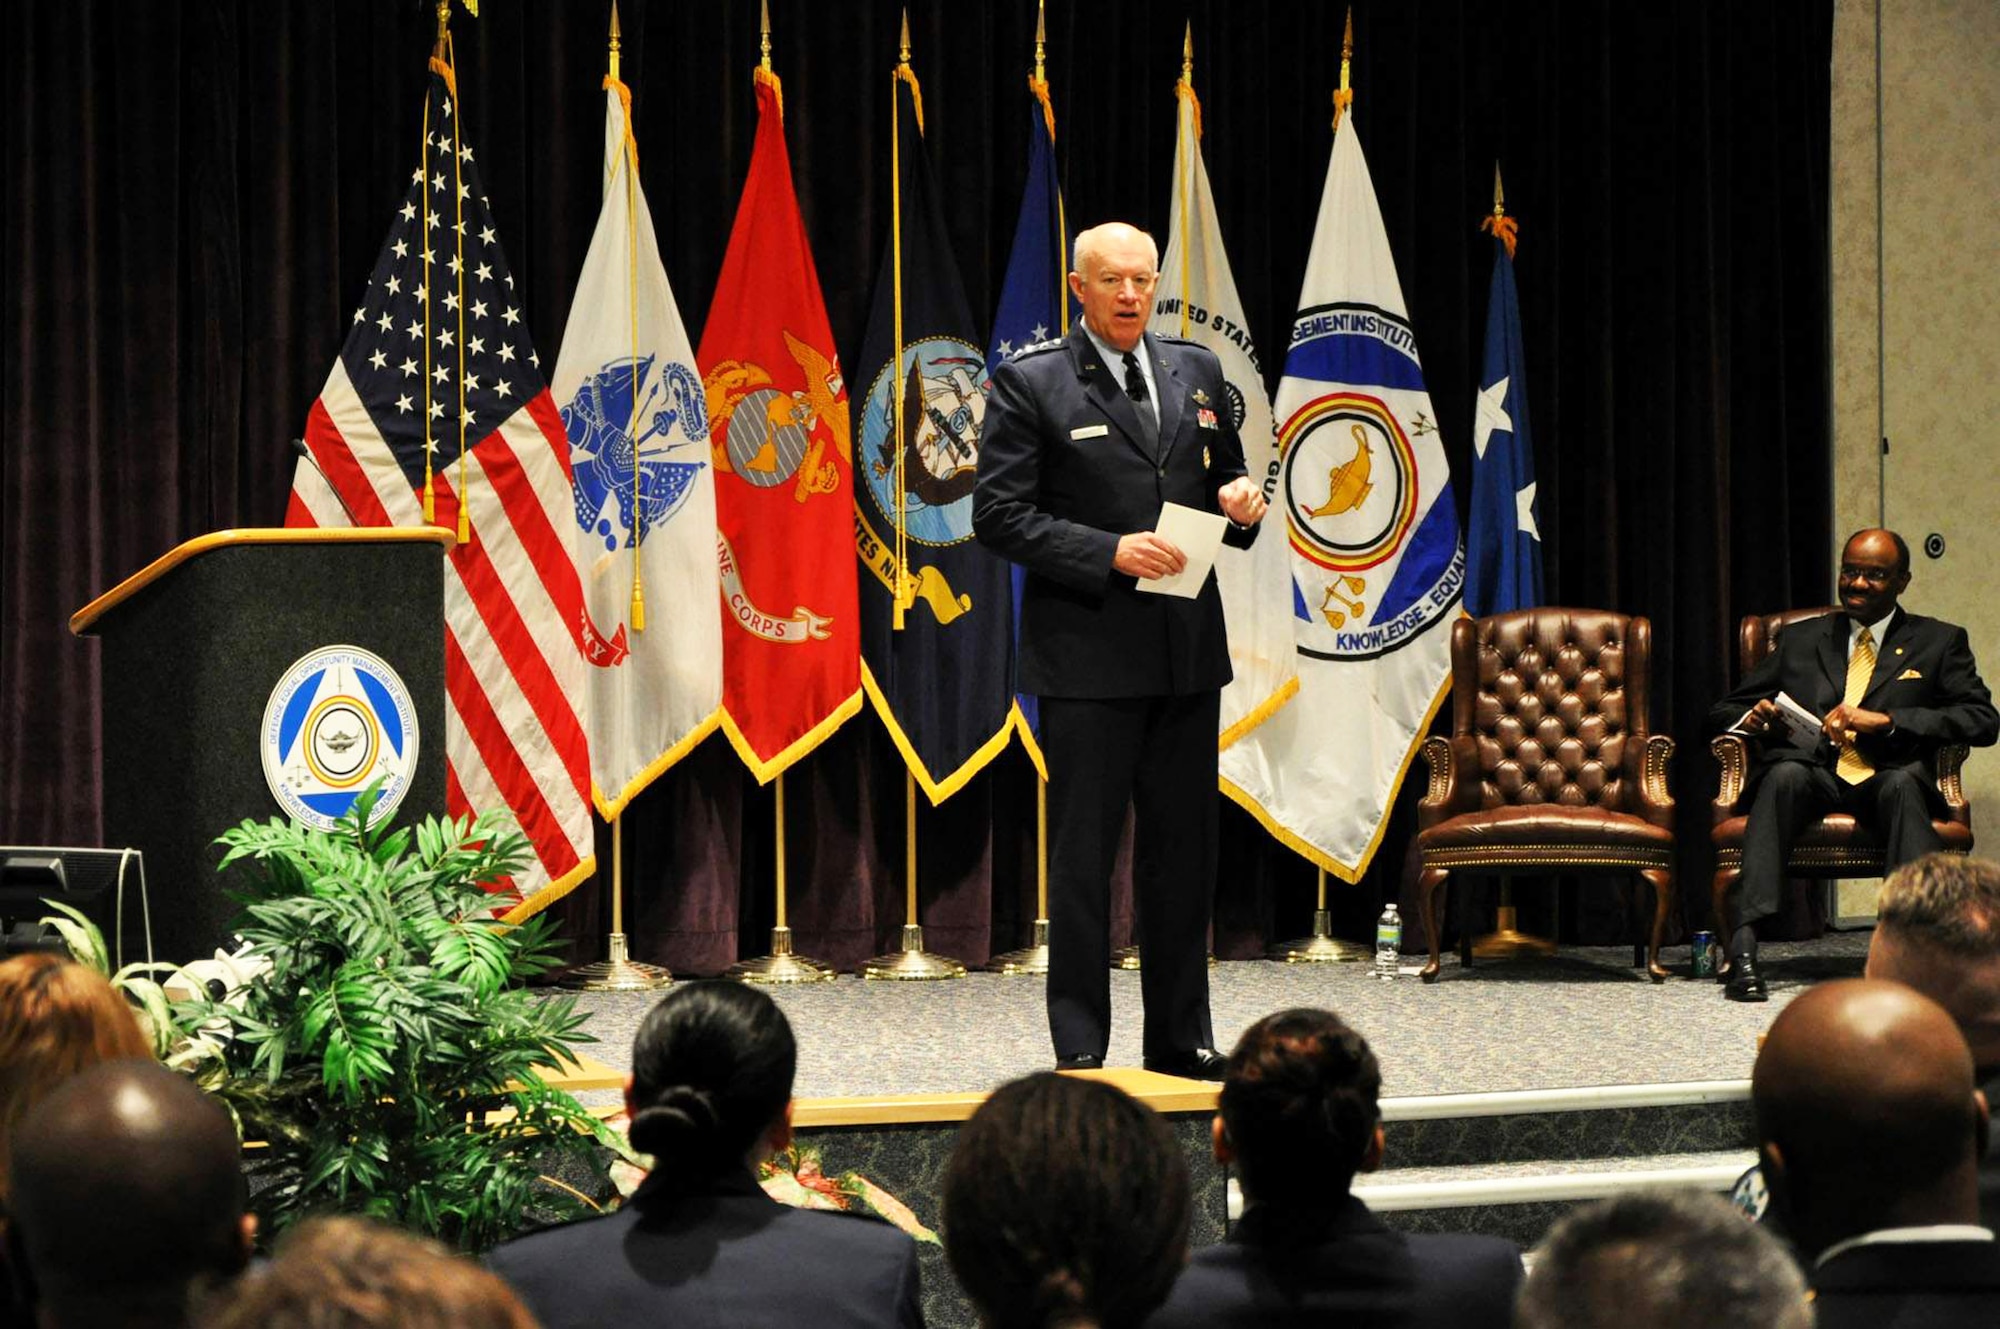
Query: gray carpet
(1584, 1017)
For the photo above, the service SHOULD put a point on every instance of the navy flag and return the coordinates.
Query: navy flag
(1503, 557)
(1034, 307)
(936, 620)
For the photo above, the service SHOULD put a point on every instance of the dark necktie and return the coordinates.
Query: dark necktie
(1135, 388)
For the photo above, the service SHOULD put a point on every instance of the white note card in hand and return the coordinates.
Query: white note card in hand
(1197, 535)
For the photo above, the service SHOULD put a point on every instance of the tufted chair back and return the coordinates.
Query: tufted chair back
(1554, 704)
(1757, 635)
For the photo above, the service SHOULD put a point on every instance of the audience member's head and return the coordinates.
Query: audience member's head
(61, 1017)
(1066, 1203)
(1661, 1260)
(1298, 1114)
(1938, 931)
(711, 1085)
(127, 1194)
(354, 1273)
(1867, 1117)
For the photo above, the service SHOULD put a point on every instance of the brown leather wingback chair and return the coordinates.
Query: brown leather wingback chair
(1551, 765)
(1836, 845)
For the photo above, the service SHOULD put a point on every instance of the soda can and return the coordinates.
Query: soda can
(1704, 955)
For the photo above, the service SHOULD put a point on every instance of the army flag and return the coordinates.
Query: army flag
(1503, 558)
(1034, 307)
(936, 609)
(1377, 568)
(784, 474)
(1196, 299)
(644, 529)
(435, 412)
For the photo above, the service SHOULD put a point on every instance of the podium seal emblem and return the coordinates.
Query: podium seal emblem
(339, 720)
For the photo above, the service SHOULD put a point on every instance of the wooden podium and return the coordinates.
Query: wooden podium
(195, 646)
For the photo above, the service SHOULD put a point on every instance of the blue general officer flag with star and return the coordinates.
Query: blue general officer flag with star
(1034, 307)
(1503, 560)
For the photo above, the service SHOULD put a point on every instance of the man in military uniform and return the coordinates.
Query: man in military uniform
(1085, 439)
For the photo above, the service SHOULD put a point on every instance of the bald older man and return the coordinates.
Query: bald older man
(1870, 1130)
(1892, 688)
(1085, 440)
(1937, 929)
(127, 1198)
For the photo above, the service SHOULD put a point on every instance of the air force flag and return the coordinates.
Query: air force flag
(1377, 569)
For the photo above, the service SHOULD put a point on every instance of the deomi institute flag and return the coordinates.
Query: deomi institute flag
(1376, 564)
(784, 474)
(1197, 299)
(644, 527)
(435, 412)
(936, 608)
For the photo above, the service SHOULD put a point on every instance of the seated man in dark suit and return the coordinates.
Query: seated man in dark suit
(1937, 929)
(1661, 1260)
(1299, 1118)
(1869, 1133)
(1892, 687)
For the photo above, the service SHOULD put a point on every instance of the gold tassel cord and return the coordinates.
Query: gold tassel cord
(903, 596)
(629, 169)
(458, 268)
(1183, 183)
(438, 66)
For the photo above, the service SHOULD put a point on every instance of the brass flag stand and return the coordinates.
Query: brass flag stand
(912, 963)
(1034, 958)
(616, 972)
(1322, 947)
(781, 966)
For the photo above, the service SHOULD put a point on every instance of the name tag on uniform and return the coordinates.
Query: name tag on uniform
(1090, 431)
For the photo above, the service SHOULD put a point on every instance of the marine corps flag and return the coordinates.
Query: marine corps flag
(435, 412)
(1197, 300)
(1034, 307)
(935, 605)
(1376, 564)
(644, 529)
(784, 474)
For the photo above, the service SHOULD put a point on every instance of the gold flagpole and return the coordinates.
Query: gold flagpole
(1322, 947)
(1033, 959)
(780, 966)
(618, 972)
(912, 962)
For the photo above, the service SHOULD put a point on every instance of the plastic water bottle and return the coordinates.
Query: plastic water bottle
(1388, 943)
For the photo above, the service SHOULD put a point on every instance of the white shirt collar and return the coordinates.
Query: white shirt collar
(1897, 1236)
(1875, 630)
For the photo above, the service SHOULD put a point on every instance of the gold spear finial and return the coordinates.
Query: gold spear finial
(764, 36)
(1041, 37)
(1187, 52)
(1499, 198)
(1345, 97)
(904, 57)
(614, 39)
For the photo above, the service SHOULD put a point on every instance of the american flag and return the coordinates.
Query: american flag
(438, 367)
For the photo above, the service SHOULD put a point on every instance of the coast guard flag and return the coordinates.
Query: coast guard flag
(1034, 307)
(1197, 300)
(1377, 569)
(644, 524)
(437, 396)
(1503, 560)
(939, 679)
(777, 412)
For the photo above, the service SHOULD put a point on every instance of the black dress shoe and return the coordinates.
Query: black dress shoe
(1198, 1064)
(1745, 983)
(1081, 1061)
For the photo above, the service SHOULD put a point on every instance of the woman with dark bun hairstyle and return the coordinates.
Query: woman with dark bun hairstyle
(1065, 1204)
(700, 1243)
(1300, 1116)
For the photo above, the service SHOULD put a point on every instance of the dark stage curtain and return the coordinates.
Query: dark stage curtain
(196, 193)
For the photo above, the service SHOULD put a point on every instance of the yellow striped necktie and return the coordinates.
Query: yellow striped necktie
(1852, 766)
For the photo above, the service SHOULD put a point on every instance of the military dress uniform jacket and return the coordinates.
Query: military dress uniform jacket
(1064, 470)
(1925, 679)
